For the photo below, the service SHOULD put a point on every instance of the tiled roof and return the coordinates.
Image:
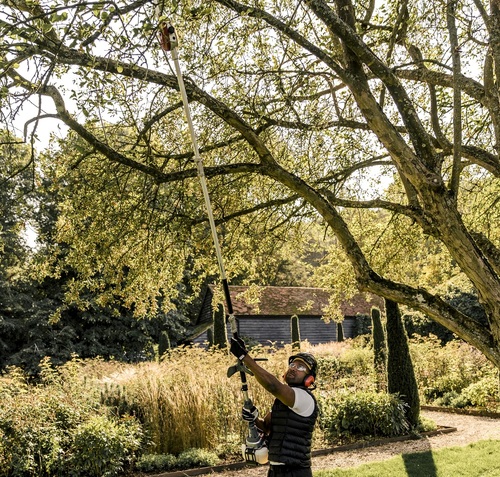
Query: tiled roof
(288, 301)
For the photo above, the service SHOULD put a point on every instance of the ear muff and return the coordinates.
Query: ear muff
(308, 380)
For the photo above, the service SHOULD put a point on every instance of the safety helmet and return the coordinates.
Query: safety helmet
(308, 359)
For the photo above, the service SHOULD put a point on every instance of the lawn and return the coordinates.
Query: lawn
(480, 459)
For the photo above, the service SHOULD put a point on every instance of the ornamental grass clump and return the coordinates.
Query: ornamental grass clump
(187, 400)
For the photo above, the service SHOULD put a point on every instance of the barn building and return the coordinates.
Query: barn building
(269, 321)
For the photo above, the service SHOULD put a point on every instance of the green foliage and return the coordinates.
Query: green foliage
(401, 378)
(363, 414)
(419, 325)
(480, 395)
(104, 447)
(156, 462)
(445, 371)
(16, 183)
(163, 344)
(426, 425)
(197, 458)
(130, 205)
(188, 459)
(95, 331)
(483, 393)
(352, 368)
(379, 348)
(340, 332)
(210, 336)
(77, 416)
(55, 428)
(362, 325)
(295, 332)
(220, 330)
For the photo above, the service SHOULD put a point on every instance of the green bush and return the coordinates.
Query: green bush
(480, 394)
(329, 367)
(104, 447)
(351, 364)
(362, 414)
(5, 455)
(30, 451)
(426, 425)
(33, 430)
(188, 459)
(444, 370)
(156, 462)
(196, 458)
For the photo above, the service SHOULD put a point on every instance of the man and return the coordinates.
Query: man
(290, 423)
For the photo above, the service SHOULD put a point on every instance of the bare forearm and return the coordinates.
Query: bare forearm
(270, 382)
(267, 380)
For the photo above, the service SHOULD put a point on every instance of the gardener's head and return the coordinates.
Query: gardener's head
(301, 369)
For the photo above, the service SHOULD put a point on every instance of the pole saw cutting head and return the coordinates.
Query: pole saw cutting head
(168, 37)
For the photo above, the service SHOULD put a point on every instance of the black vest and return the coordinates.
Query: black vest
(291, 435)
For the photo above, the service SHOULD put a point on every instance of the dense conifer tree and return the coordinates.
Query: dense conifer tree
(400, 373)
(379, 348)
(295, 332)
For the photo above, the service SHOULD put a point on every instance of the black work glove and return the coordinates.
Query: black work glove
(249, 415)
(238, 348)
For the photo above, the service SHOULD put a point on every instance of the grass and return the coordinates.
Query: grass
(475, 460)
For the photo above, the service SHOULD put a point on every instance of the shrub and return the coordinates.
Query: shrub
(444, 370)
(186, 460)
(426, 425)
(103, 447)
(379, 349)
(401, 377)
(480, 394)
(156, 462)
(329, 367)
(295, 332)
(196, 458)
(34, 423)
(363, 414)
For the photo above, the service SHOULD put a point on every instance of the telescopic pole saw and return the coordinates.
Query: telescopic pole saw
(254, 442)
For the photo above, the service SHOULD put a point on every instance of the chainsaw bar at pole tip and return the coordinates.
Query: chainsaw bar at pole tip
(168, 36)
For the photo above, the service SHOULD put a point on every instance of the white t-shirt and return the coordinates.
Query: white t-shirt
(304, 403)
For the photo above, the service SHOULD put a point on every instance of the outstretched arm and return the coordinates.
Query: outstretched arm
(269, 382)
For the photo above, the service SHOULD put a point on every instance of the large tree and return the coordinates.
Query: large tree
(301, 107)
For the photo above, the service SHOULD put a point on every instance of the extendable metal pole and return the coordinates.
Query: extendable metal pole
(169, 42)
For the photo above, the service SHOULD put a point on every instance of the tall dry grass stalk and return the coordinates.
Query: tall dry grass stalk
(188, 401)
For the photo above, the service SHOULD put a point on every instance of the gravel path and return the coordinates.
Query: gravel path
(469, 429)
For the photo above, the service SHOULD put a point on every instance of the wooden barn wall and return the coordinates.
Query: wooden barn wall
(277, 330)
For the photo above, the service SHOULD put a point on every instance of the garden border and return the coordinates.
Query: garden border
(318, 452)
